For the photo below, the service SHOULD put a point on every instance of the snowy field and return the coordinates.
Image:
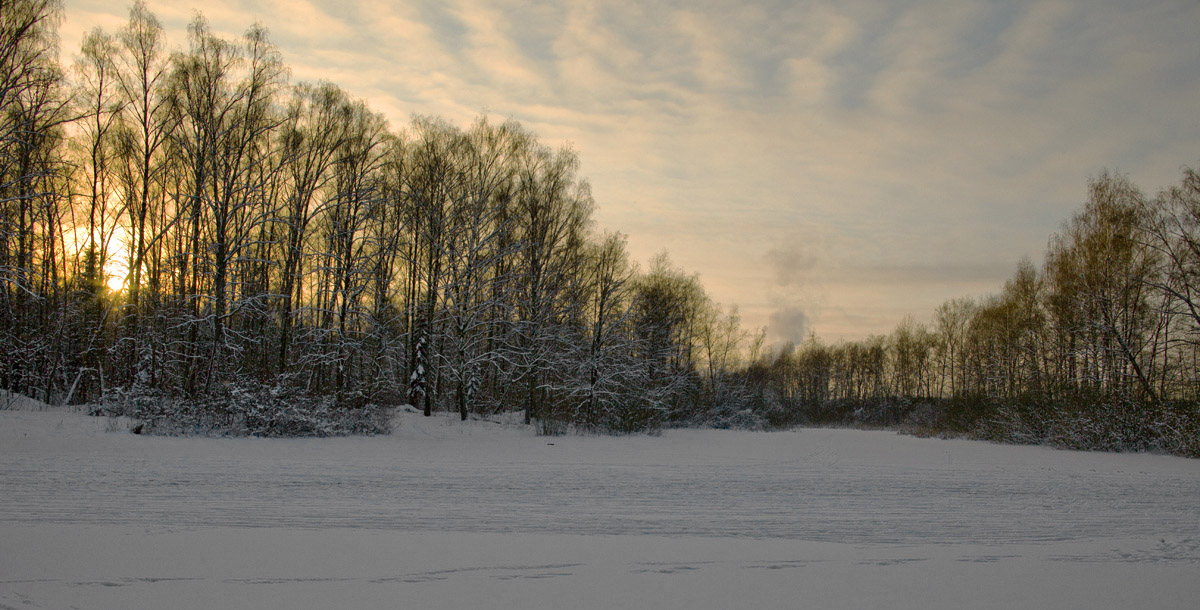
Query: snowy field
(481, 515)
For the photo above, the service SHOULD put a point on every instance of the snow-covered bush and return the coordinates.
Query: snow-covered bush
(1097, 424)
(727, 419)
(236, 410)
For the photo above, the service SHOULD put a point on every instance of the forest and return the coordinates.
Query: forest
(188, 238)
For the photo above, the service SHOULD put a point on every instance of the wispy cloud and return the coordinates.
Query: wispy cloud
(914, 150)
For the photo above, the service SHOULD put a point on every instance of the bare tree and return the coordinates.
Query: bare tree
(140, 77)
(1172, 231)
(951, 321)
(1101, 274)
(310, 138)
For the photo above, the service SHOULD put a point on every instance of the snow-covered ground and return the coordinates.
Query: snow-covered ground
(481, 515)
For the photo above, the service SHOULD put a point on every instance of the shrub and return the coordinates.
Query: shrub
(1097, 424)
(238, 410)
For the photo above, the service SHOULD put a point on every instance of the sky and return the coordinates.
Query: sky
(829, 167)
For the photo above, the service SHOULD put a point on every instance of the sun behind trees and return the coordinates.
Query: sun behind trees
(187, 237)
(285, 255)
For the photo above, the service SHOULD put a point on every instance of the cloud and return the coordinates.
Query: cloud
(495, 56)
(787, 324)
(793, 263)
(945, 272)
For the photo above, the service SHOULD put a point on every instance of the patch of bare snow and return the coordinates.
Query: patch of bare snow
(485, 514)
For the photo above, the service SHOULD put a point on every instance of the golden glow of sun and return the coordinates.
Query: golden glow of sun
(116, 264)
(116, 256)
(114, 280)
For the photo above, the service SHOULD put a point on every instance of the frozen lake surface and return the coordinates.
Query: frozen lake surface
(446, 514)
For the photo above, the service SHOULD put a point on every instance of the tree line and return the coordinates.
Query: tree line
(1098, 348)
(279, 239)
(188, 237)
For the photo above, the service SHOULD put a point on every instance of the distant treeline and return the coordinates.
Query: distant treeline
(1100, 348)
(288, 263)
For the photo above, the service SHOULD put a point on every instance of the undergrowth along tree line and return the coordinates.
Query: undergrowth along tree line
(288, 263)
